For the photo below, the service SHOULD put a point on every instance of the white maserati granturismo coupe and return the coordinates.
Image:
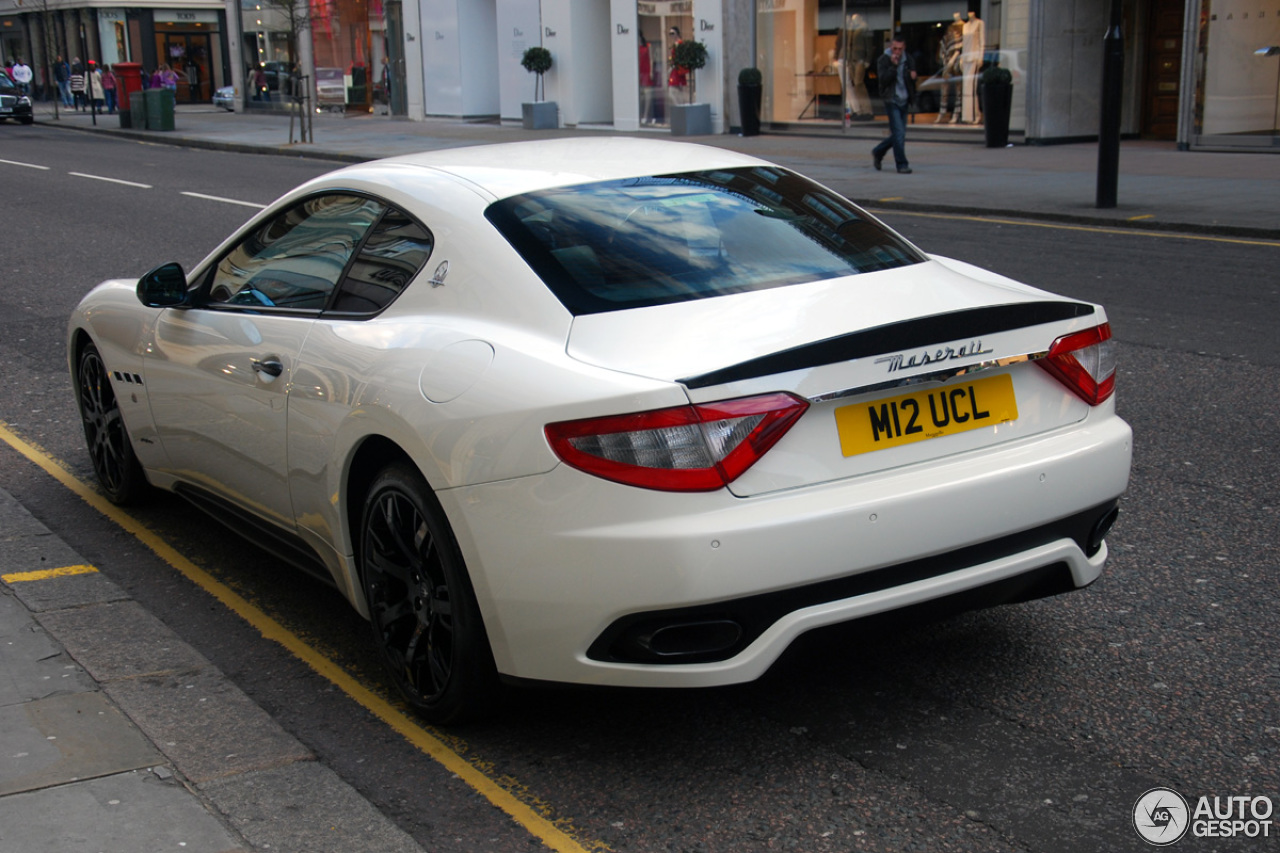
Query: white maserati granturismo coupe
(608, 411)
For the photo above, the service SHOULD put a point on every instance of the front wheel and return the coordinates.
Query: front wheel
(426, 623)
(117, 468)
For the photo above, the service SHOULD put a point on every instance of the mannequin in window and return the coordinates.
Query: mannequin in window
(949, 52)
(970, 61)
(853, 52)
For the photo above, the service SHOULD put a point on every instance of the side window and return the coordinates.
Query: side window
(295, 259)
(396, 250)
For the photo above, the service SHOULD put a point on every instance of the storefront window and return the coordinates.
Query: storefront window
(266, 44)
(1238, 69)
(815, 56)
(343, 46)
(818, 58)
(111, 36)
(189, 43)
(661, 23)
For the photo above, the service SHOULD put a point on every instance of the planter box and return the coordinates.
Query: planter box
(749, 108)
(997, 104)
(542, 115)
(690, 119)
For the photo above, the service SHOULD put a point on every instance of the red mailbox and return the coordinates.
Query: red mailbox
(128, 79)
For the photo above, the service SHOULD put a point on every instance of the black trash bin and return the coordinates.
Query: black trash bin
(996, 92)
(997, 104)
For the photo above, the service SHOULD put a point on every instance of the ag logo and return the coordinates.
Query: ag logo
(1161, 816)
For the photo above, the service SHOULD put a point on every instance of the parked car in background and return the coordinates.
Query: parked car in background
(13, 103)
(331, 92)
(277, 75)
(225, 98)
(608, 411)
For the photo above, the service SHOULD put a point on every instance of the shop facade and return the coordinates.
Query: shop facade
(1232, 74)
(347, 55)
(1193, 71)
(190, 37)
(1203, 73)
(610, 59)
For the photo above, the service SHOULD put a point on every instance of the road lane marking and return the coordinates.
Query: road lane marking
(536, 820)
(225, 200)
(1142, 216)
(45, 574)
(111, 180)
(1094, 229)
(25, 165)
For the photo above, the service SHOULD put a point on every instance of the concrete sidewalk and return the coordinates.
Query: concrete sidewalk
(118, 737)
(1159, 186)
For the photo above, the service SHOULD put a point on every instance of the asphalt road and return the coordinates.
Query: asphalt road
(1033, 727)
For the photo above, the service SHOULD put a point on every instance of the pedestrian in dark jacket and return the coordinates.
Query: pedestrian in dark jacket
(897, 73)
(62, 74)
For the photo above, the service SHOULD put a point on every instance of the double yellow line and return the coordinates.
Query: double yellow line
(538, 821)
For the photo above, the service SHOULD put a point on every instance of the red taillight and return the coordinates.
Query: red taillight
(1085, 362)
(696, 448)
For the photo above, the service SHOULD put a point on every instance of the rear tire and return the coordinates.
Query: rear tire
(426, 623)
(119, 473)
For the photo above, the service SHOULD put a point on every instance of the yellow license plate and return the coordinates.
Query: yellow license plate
(895, 421)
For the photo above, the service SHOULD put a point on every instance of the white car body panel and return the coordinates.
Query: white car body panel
(222, 423)
(509, 169)
(623, 550)
(490, 433)
(462, 372)
(707, 334)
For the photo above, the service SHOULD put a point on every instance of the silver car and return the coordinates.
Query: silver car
(225, 98)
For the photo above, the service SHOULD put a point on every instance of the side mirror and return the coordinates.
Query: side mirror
(163, 287)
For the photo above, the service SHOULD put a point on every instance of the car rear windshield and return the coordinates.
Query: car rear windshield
(630, 243)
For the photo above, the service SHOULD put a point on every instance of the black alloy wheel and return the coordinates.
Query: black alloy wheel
(426, 623)
(117, 468)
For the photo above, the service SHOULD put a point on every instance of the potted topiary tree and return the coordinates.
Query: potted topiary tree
(689, 119)
(997, 104)
(750, 90)
(540, 114)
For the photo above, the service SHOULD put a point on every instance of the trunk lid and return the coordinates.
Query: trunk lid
(900, 366)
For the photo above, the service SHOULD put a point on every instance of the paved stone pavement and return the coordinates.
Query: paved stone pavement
(117, 737)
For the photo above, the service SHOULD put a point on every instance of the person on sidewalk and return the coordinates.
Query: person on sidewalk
(62, 74)
(897, 73)
(76, 83)
(109, 85)
(22, 76)
(94, 93)
(168, 78)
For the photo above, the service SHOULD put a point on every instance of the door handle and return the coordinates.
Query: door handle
(269, 365)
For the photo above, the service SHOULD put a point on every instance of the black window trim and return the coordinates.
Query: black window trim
(204, 281)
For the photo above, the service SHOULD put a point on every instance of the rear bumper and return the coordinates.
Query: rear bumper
(719, 631)
(561, 560)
